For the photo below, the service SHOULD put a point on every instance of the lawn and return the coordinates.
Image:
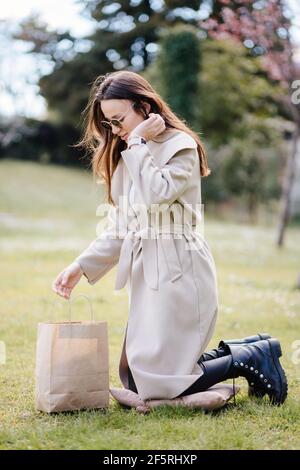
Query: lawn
(47, 217)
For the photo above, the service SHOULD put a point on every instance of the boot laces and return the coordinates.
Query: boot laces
(233, 388)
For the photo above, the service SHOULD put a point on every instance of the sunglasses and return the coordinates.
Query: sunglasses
(116, 122)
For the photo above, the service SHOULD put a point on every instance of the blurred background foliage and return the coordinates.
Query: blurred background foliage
(214, 72)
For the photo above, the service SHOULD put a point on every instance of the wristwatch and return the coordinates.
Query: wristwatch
(135, 140)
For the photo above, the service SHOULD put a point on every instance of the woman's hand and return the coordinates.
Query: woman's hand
(67, 280)
(150, 127)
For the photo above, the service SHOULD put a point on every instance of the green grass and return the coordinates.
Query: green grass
(47, 217)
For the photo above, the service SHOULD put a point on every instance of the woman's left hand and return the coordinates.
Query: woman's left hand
(150, 127)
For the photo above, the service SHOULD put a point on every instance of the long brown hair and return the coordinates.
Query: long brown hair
(106, 147)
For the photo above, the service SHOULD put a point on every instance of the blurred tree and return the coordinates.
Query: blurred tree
(232, 104)
(31, 139)
(264, 28)
(58, 55)
(233, 85)
(243, 174)
(246, 168)
(126, 37)
(179, 64)
(237, 102)
(46, 43)
(138, 23)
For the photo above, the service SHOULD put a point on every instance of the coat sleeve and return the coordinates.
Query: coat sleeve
(103, 252)
(164, 185)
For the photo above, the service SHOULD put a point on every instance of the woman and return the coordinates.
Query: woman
(152, 165)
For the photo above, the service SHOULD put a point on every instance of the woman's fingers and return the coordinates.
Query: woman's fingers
(158, 124)
(161, 126)
(64, 292)
(55, 286)
(65, 278)
(59, 287)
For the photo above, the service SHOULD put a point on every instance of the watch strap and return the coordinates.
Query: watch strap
(136, 140)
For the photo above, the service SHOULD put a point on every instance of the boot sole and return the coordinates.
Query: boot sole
(276, 352)
(256, 392)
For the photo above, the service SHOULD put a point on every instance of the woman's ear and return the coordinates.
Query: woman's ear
(147, 107)
(143, 107)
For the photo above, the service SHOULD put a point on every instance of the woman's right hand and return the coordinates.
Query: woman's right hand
(67, 280)
(150, 127)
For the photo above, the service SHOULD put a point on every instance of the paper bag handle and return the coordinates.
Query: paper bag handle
(90, 303)
(70, 304)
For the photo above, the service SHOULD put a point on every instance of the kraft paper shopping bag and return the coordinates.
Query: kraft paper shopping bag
(72, 370)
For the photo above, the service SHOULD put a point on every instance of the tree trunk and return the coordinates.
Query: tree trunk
(287, 187)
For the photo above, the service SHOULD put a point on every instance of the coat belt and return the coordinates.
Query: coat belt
(147, 239)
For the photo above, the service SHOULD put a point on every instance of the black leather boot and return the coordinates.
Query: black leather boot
(212, 354)
(215, 371)
(221, 351)
(252, 391)
(258, 362)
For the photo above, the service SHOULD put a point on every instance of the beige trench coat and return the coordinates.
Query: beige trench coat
(167, 267)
